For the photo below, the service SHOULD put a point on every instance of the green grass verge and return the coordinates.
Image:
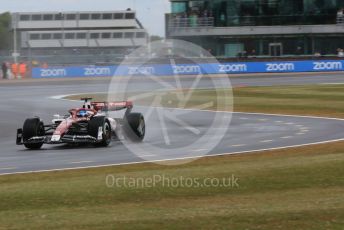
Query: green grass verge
(286, 189)
(316, 100)
(300, 188)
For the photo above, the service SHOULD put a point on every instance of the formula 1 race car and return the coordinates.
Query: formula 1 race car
(86, 125)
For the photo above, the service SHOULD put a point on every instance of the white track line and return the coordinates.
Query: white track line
(173, 159)
(239, 145)
(199, 150)
(81, 162)
(266, 141)
(331, 84)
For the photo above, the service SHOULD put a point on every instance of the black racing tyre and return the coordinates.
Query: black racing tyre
(93, 128)
(33, 127)
(135, 127)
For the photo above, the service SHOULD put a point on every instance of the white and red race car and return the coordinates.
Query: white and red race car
(89, 124)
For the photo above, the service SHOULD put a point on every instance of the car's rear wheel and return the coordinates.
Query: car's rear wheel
(135, 127)
(93, 130)
(33, 127)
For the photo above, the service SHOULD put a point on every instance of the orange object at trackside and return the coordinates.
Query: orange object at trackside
(22, 69)
(15, 69)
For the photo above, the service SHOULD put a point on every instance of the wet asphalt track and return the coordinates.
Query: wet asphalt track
(248, 132)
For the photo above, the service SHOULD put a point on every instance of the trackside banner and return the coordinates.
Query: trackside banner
(185, 69)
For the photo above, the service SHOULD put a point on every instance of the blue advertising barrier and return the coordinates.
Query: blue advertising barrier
(184, 69)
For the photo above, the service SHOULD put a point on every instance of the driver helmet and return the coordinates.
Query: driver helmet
(82, 113)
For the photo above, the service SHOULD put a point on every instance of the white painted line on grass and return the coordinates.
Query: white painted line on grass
(281, 115)
(63, 97)
(331, 84)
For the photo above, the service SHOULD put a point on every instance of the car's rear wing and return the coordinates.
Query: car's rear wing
(112, 106)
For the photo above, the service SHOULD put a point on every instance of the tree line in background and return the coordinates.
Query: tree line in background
(5, 33)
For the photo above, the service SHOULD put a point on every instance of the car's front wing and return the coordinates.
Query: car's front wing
(49, 139)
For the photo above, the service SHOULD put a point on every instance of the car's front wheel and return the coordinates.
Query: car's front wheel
(97, 125)
(33, 127)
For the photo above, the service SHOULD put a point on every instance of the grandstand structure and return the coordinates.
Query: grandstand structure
(108, 34)
(236, 28)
